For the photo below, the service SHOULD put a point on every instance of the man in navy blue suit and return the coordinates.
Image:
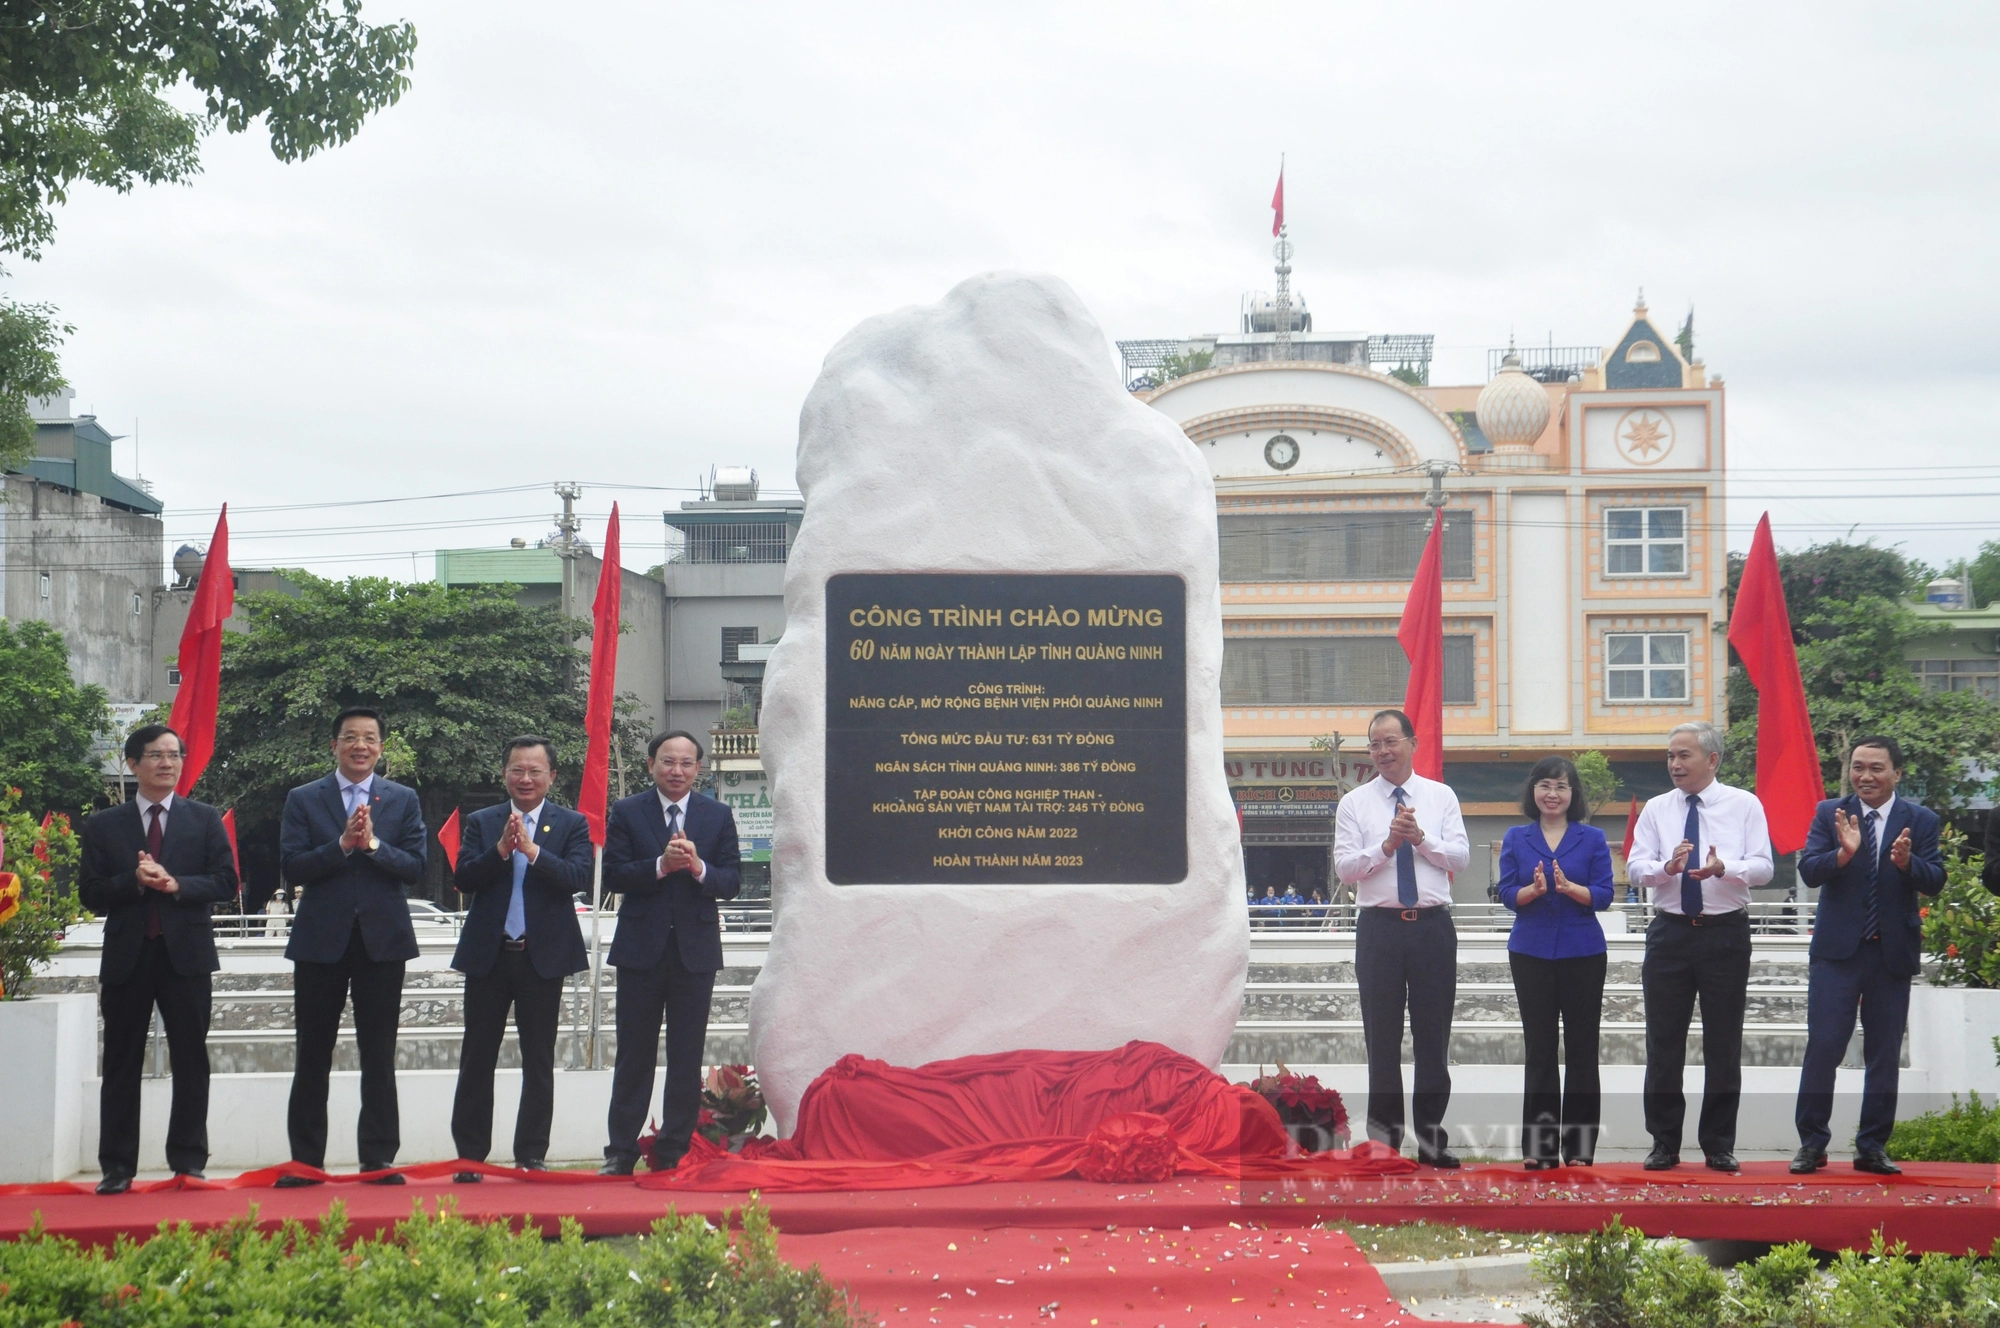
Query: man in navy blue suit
(354, 842)
(153, 868)
(671, 854)
(521, 863)
(1871, 854)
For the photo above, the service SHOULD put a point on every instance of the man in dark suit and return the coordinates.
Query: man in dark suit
(521, 864)
(354, 841)
(152, 868)
(1871, 854)
(671, 853)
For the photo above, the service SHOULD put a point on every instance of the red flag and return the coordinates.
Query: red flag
(235, 858)
(448, 838)
(603, 674)
(1278, 204)
(1789, 782)
(1422, 638)
(1631, 826)
(42, 840)
(201, 657)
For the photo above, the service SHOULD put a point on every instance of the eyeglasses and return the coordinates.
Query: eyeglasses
(349, 740)
(526, 772)
(1386, 744)
(163, 758)
(666, 764)
(1552, 786)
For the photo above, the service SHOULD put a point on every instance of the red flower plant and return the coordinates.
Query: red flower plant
(1313, 1113)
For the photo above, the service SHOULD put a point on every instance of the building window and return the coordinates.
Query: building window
(45, 585)
(173, 676)
(1961, 675)
(1337, 670)
(734, 637)
(735, 542)
(138, 604)
(1645, 541)
(1340, 546)
(1646, 666)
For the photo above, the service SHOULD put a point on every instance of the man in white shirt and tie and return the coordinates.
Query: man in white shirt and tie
(1700, 850)
(1397, 840)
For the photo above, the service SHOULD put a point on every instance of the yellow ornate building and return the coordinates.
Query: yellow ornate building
(1584, 559)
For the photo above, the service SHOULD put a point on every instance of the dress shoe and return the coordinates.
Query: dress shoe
(114, 1184)
(466, 1177)
(1577, 1161)
(387, 1177)
(1721, 1162)
(531, 1164)
(191, 1175)
(1441, 1158)
(1876, 1162)
(294, 1182)
(1539, 1164)
(1808, 1160)
(1663, 1158)
(618, 1166)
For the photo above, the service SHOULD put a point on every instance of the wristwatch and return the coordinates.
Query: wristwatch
(373, 843)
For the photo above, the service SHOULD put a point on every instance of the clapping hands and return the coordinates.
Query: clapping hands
(1565, 887)
(1402, 830)
(155, 877)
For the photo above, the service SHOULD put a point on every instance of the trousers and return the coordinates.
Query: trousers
(1409, 966)
(1560, 999)
(537, 1005)
(319, 993)
(128, 1018)
(672, 992)
(1836, 990)
(1686, 963)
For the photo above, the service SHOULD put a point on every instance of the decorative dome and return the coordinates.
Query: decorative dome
(1514, 408)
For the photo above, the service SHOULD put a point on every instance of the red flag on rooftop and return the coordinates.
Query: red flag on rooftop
(1789, 781)
(1422, 639)
(201, 657)
(1278, 204)
(603, 674)
(448, 838)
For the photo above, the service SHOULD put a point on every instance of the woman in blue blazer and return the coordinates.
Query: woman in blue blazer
(1555, 874)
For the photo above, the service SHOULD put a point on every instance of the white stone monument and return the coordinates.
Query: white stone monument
(988, 435)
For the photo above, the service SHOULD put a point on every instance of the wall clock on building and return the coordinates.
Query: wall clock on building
(1282, 452)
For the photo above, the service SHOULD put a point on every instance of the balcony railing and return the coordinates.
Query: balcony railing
(732, 744)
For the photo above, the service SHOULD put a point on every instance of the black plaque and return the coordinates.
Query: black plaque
(1006, 729)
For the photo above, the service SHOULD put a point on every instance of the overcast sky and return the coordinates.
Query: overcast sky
(612, 242)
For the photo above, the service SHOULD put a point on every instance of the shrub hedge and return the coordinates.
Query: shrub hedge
(432, 1272)
(1616, 1278)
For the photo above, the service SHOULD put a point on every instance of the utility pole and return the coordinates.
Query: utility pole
(567, 546)
(1435, 500)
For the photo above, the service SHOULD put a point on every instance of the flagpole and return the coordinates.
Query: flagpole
(596, 955)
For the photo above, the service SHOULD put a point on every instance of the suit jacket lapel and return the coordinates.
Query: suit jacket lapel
(330, 797)
(1899, 817)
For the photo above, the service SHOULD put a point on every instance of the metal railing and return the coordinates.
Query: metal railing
(1767, 917)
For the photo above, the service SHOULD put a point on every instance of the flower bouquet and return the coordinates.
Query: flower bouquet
(1313, 1114)
(732, 1106)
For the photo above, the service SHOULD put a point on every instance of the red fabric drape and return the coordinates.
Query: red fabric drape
(1422, 639)
(1140, 1112)
(1789, 782)
(603, 677)
(235, 858)
(448, 838)
(200, 660)
(1631, 826)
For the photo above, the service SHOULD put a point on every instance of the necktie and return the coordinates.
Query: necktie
(517, 908)
(1690, 886)
(1406, 868)
(1871, 922)
(155, 836)
(673, 820)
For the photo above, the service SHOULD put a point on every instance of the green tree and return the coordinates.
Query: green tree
(1180, 366)
(1835, 570)
(47, 721)
(86, 94)
(1982, 570)
(1600, 785)
(457, 671)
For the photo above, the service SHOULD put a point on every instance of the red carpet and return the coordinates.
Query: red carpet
(1947, 1207)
